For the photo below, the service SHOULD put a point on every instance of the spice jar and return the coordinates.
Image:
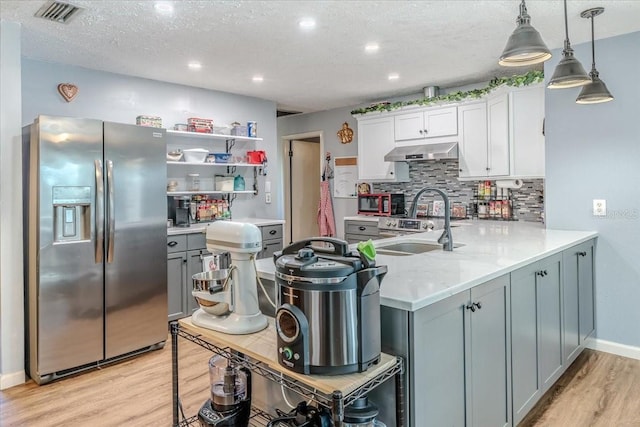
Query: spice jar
(193, 181)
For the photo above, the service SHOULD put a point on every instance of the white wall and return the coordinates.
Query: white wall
(329, 122)
(11, 289)
(593, 152)
(120, 98)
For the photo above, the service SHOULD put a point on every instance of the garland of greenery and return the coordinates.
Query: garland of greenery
(531, 77)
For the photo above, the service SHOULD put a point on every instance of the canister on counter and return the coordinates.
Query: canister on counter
(252, 129)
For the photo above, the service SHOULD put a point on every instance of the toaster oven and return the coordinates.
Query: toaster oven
(381, 204)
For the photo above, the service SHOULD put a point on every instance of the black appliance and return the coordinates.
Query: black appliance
(303, 415)
(230, 403)
(179, 211)
(328, 316)
(381, 204)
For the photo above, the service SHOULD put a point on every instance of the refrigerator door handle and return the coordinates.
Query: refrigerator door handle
(99, 212)
(111, 222)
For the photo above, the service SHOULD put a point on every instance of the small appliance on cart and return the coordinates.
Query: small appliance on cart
(230, 403)
(328, 316)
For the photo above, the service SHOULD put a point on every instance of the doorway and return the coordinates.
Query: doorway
(302, 170)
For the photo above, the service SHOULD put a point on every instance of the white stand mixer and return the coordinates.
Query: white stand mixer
(243, 241)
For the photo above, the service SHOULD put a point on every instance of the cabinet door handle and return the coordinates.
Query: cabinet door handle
(488, 169)
(471, 307)
(545, 272)
(426, 131)
(420, 131)
(272, 232)
(540, 273)
(361, 228)
(478, 304)
(459, 170)
(172, 243)
(582, 253)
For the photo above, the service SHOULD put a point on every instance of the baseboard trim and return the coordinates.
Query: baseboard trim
(12, 379)
(613, 347)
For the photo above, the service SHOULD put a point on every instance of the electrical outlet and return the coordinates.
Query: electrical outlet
(599, 207)
(267, 197)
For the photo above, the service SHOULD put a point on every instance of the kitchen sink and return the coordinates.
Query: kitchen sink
(410, 248)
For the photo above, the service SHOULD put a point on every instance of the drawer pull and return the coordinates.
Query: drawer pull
(361, 228)
(471, 307)
(172, 243)
(582, 253)
(272, 232)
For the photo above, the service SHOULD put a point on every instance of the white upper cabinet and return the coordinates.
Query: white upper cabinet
(420, 125)
(527, 131)
(514, 142)
(472, 144)
(375, 139)
(498, 136)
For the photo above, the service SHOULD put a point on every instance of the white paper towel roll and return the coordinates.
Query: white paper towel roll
(509, 183)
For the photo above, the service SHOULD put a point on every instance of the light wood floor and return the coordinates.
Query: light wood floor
(599, 389)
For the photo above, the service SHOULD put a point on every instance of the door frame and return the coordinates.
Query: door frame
(284, 141)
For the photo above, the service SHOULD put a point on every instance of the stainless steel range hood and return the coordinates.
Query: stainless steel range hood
(415, 153)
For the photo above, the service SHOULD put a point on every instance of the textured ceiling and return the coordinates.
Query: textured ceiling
(442, 43)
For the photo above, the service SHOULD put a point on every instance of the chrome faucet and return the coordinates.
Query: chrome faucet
(446, 240)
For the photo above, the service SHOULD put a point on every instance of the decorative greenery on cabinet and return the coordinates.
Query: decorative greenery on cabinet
(529, 78)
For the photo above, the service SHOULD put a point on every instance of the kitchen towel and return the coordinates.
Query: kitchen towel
(509, 183)
(326, 221)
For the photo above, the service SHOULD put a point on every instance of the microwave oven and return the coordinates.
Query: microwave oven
(382, 204)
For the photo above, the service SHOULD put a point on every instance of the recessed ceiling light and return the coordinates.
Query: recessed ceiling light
(394, 76)
(194, 65)
(257, 79)
(163, 7)
(307, 23)
(371, 47)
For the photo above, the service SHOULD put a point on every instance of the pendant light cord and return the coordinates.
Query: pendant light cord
(566, 26)
(593, 48)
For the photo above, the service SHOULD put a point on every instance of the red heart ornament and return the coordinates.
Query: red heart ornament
(68, 91)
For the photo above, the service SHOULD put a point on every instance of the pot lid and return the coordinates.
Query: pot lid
(307, 264)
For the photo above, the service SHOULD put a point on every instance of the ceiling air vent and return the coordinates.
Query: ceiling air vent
(57, 11)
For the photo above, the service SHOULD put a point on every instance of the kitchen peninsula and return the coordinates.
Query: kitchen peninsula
(487, 328)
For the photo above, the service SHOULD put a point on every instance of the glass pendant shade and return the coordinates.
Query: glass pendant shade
(525, 45)
(569, 72)
(594, 92)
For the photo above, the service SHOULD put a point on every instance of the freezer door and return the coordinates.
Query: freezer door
(65, 274)
(135, 238)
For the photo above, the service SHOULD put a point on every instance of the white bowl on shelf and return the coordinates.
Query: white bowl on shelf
(195, 155)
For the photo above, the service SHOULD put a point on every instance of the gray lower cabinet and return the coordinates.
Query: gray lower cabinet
(578, 299)
(184, 259)
(176, 277)
(484, 357)
(488, 360)
(458, 354)
(357, 231)
(536, 332)
(271, 240)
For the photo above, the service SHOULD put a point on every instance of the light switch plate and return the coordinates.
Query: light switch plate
(599, 207)
(267, 186)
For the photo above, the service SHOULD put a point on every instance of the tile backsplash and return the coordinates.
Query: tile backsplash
(527, 201)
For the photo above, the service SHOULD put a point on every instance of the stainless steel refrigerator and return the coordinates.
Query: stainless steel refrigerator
(95, 261)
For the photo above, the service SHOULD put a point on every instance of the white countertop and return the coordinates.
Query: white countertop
(491, 249)
(201, 228)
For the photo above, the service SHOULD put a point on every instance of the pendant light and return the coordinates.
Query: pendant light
(595, 91)
(525, 46)
(569, 72)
